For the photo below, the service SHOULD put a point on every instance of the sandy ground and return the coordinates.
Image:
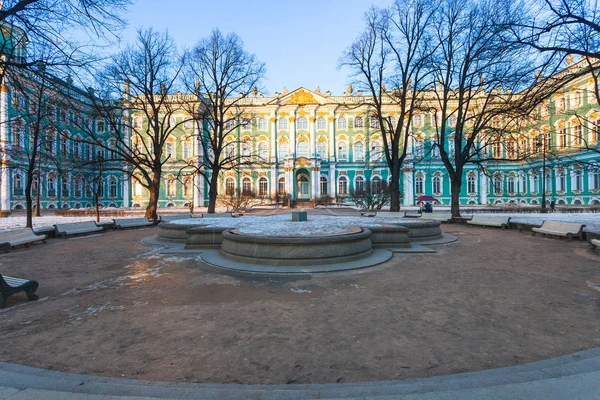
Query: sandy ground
(111, 306)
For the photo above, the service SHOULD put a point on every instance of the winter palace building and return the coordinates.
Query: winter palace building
(315, 144)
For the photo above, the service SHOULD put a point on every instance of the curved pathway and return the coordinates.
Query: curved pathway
(574, 376)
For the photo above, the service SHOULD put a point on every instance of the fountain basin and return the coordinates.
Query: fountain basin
(390, 236)
(204, 237)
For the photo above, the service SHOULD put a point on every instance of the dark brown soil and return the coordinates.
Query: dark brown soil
(110, 306)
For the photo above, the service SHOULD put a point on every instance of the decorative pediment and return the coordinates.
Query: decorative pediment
(302, 96)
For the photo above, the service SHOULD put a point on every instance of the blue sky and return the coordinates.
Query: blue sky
(300, 41)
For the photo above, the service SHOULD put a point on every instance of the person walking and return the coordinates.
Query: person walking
(552, 205)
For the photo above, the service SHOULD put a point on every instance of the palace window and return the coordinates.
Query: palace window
(78, 187)
(417, 120)
(171, 186)
(341, 123)
(100, 126)
(359, 184)
(358, 123)
(281, 185)
(496, 150)
(321, 123)
(229, 125)
(419, 147)
(65, 186)
(359, 152)
(498, 184)
(187, 149)
(229, 151)
(435, 149)
(283, 123)
(112, 187)
(596, 131)
(246, 124)
(343, 186)
(262, 124)
(595, 181)
(374, 121)
(187, 187)
(18, 137)
(548, 182)
(561, 181)
(302, 149)
(562, 138)
(246, 185)
(188, 125)
(229, 186)
(170, 149)
(324, 185)
(472, 184)
(246, 149)
(523, 146)
(322, 149)
(523, 184)
(18, 184)
(452, 120)
(283, 149)
(51, 185)
(419, 184)
(535, 182)
(262, 150)
(437, 185)
(137, 188)
(511, 149)
(302, 123)
(577, 180)
(263, 186)
(343, 150)
(512, 189)
(376, 151)
(376, 184)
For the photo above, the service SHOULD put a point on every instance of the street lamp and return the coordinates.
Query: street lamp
(542, 143)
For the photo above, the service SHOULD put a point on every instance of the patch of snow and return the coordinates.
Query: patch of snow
(300, 290)
(282, 224)
(591, 220)
(95, 310)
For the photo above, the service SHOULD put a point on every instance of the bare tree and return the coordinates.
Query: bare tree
(222, 74)
(485, 84)
(137, 95)
(395, 52)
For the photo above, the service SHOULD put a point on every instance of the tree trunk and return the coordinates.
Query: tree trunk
(37, 195)
(154, 189)
(28, 202)
(212, 192)
(395, 192)
(456, 185)
(97, 207)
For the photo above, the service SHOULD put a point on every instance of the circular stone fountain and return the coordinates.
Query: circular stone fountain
(277, 244)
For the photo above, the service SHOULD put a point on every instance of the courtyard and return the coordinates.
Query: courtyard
(112, 306)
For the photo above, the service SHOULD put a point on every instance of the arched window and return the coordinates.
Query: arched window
(595, 180)
(171, 147)
(376, 184)
(302, 149)
(323, 185)
(321, 123)
(283, 123)
(246, 124)
(77, 149)
(262, 150)
(512, 187)
(561, 181)
(358, 123)
(78, 186)
(417, 120)
(359, 152)
(283, 149)
(376, 151)
(535, 182)
(577, 135)
(112, 187)
(281, 185)
(359, 184)
(511, 149)
(302, 123)
(51, 184)
(374, 122)
(246, 185)
(562, 138)
(18, 137)
(498, 184)
(188, 149)
(577, 180)
(35, 184)
(523, 179)
(263, 186)
(246, 149)
(343, 186)
(419, 148)
(229, 124)
(341, 123)
(262, 124)
(65, 185)
(419, 184)
(230, 151)
(496, 150)
(437, 185)
(322, 149)
(18, 184)
(343, 150)
(229, 186)
(100, 126)
(472, 184)
(171, 186)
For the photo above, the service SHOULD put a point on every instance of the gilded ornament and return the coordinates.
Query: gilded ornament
(302, 97)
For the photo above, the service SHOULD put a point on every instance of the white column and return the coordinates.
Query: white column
(332, 183)
(273, 149)
(292, 122)
(274, 182)
(198, 190)
(315, 182)
(126, 191)
(331, 139)
(5, 176)
(408, 187)
(483, 188)
(289, 182)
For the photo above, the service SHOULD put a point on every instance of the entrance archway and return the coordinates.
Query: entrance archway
(303, 185)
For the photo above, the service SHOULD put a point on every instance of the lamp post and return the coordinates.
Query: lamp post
(542, 143)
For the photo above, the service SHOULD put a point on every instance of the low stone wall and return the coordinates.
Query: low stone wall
(174, 232)
(423, 230)
(297, 251)
(389, 236)
(204, 237)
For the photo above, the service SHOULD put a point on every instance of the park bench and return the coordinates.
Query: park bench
(76, 228)
(10, 286)
(500, 222)
(220, 215)
(390, 214)
(169, 218)
(562, 229)
(442, 217)
(122, 223)
(595, 243)
(17, 237)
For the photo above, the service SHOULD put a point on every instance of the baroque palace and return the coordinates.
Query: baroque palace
(314, 144)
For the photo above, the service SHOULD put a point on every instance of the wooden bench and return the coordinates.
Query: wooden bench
(595, 243)
(10, 286)
(169, 218)
(500, 222)
(122, 223)
(442, 217)
(17, 237)
(562, 229)
(76, 228)
(391, 214)
(221, 215)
